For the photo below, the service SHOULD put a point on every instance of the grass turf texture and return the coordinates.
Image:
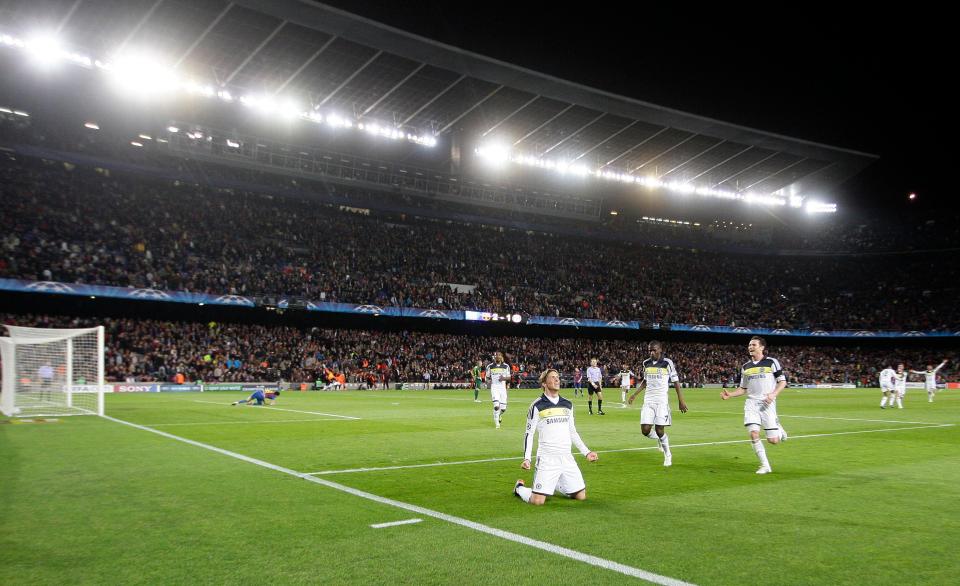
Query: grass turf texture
(87, 500)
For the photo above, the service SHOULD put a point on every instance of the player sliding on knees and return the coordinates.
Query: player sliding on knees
(258, 397)
(658, 372)
(551, 416)
(762, 379)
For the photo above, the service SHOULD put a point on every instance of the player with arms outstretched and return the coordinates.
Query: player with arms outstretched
(930, 379)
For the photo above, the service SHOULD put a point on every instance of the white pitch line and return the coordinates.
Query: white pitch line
(246, 422)
(833, 418)
(395, 523)
(692, 445)
(430, 465)
(290, 410)
(507, 535)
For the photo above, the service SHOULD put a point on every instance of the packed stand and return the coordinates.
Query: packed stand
(148, 350)
(78, 225)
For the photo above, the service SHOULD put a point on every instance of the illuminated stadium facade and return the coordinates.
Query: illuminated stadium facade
(346, 76)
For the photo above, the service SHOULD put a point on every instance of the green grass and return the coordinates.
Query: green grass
(88, 500)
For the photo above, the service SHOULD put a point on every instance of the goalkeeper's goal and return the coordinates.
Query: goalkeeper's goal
(52, 372)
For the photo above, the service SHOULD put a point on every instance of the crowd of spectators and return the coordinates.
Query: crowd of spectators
(80, 225)
(149, 350)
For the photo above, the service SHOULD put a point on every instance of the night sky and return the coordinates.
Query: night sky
(872, 82)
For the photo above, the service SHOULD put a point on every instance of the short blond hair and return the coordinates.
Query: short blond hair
(546, 373)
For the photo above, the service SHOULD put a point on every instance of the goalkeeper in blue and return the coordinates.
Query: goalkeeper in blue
(260, 397)
(551, 416)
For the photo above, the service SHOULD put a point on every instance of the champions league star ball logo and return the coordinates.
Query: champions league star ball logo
(148, 294)
(368, 309)
(701, 328)
(819, 333)
(233, 300)
(780, 331)
(569, 321)
(742, 330)
(50, 287)
(432, 313)
(616, 323)
(864, 334)
(913, 334)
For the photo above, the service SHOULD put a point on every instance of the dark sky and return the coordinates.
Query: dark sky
(871, 81)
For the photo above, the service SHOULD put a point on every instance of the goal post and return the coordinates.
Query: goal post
(52, 372)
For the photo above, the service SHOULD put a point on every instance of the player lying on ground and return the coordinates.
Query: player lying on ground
(258, 397)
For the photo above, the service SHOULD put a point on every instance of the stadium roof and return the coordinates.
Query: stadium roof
(349, 64)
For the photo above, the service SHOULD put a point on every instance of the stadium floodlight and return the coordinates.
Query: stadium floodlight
(192, 87)
(21, 113)
(11, 41)
(145, 136)
(173, 129)
(288, 109)
(5, 110)
(91, 125)
(136, 144)
(495, 153)
(796, 201)
(818, 207)
(142, 75)
(145, 76)
(233, 144)
(44, 50)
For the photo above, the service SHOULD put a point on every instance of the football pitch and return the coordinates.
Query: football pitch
(186, 489)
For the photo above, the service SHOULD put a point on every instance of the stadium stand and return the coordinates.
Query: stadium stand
(151, 350)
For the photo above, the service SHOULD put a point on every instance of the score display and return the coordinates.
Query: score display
(493, 316)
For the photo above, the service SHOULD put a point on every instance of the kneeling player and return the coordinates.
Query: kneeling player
(551, 416)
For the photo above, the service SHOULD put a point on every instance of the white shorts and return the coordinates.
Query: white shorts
(931, 389)
(655, 414)
(900, 392)
(758, 412)
(499, 396)
(557, 473)
(887, 389)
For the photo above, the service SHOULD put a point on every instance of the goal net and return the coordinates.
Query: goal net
(52, 372)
